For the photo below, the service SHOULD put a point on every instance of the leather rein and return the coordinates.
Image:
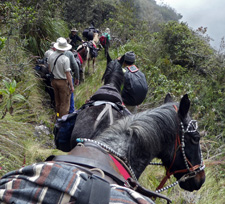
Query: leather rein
(190, 169)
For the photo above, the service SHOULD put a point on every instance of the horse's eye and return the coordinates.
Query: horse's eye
(195, 139)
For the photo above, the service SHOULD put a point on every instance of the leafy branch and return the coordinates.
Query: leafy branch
(10, 96)
(2, 42)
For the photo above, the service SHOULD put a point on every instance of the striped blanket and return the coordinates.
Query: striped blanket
(56, 182)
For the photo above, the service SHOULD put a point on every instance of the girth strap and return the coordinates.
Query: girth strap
(91, 163)
(95, 190)
(140, 189)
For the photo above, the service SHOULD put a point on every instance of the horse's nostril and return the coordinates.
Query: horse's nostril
(200, 177)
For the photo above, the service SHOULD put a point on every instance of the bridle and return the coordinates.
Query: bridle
(190, 169)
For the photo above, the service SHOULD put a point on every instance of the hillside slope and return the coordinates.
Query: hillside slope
(175, 59)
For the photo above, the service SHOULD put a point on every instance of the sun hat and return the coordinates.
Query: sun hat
(74, 29)
(129, 57)
(107, 30)
(62, 44)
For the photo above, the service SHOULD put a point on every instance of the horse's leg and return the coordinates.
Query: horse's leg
(94, 65)
(88, 63)
(83, 66)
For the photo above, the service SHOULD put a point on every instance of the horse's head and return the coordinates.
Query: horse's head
(186, 164)
(83, 50)
(96, 38)
(109, 59)
(113, 73)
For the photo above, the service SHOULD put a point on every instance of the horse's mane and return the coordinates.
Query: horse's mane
(113, 74)
(152, 128)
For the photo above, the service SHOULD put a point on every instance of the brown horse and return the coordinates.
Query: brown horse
(85, 52)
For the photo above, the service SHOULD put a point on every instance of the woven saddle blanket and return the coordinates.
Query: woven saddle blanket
(56, 182)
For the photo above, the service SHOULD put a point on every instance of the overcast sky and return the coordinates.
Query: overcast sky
(206, 13)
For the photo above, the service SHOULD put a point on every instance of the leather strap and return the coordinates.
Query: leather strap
(55, 62)
(95, 190)
(106, 109)
(140, 189)
(91, 163)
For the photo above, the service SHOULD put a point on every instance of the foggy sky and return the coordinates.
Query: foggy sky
(206, 13)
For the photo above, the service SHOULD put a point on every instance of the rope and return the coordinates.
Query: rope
(106, 109)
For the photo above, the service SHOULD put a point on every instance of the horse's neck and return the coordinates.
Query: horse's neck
(131, 152)
(96, 38)
(138, 140)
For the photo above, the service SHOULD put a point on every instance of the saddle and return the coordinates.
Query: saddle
(104, 169)
(107, 92)
(107, 96)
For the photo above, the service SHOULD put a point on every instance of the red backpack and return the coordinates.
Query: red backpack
(102, 40)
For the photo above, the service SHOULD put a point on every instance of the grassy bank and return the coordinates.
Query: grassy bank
(23, 144)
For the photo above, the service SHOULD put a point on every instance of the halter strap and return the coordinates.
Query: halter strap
(180, 145)
(168, 173)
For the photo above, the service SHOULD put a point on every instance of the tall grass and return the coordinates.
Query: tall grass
(19, 145)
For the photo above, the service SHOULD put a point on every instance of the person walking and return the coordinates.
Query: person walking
(49, 51)
(105, 40)
(135, 85)
(74, 38)
(75, 76)
(59, 66)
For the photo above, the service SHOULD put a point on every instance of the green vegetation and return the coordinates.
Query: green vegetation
(175, 59)
(10, 96)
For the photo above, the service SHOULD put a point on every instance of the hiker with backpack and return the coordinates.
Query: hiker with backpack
(135, 85)
(105, 40)
(74, 38)
(49, 51)
(59, 67)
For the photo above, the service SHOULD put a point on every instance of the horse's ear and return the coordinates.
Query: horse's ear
(168, 98)
(121, 60)
(108, 58)
(184, 106)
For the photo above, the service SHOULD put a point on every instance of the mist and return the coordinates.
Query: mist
(205, 13)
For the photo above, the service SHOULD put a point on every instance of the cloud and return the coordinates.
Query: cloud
(206, 13)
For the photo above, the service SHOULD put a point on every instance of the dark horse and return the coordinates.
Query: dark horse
(104, 107)
(106, 169)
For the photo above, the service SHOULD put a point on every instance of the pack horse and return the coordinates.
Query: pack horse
(105, 169)
(88, 51)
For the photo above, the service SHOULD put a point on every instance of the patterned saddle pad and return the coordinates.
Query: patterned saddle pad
(56, 182)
